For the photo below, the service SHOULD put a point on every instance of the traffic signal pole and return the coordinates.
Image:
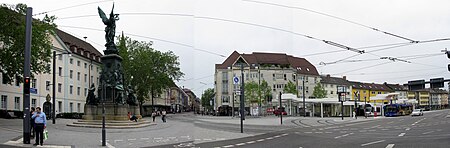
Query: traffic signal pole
(26, 69)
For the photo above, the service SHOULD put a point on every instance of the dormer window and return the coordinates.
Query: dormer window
(307, 69)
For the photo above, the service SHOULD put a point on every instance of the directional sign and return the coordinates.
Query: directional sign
(236, 80)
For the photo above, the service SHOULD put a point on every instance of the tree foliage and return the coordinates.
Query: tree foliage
(319, 91)
(12, 42)
(207, 96)
(251, 92)
(290, 88)
(149, 71)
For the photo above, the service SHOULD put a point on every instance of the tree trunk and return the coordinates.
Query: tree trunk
(141, 109)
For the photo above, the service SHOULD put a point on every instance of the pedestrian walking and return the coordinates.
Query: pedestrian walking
(163, 114)
(40, 123)
(153, 115)
(32, 122)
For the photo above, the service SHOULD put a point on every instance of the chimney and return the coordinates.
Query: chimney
(328, 75)
(344, 77)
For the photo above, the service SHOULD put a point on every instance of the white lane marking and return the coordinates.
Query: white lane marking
(328, 132)
(285, 134)
(372, 142)
(184, 136)
(207, 139)
(115, 141)
(228, 146)
(277, 136)
(402, 134)
(198, 139)
(343, 136)
(220, 139)
(240, 144)
(260, 140)
(318, 132)
(158, 138)
(171, 137)
(250, 142)
(269, 138)
(109, 145)
(427, 132)
(408, 129)
(131, 139)
(390, 146)
(308, 132)
(145, 138)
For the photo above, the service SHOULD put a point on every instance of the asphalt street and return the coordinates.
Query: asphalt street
(431, 130)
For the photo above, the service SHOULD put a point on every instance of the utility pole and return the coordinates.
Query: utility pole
(259, 92)
(304, 105)
(103, 113)
(280, 110)
(26, 75)
(242, 98)
(356, 104)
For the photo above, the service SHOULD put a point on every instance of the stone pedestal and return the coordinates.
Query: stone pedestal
(90, 112)
(135, 110)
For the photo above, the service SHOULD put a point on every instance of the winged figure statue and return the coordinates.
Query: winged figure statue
(110, 29)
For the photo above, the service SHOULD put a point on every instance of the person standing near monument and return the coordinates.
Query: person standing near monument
(153, 115)
(40, 122)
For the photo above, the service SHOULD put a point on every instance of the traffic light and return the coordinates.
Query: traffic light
(26, 85)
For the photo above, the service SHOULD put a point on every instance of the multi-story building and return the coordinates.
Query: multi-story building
(368, 90)
(74, 73)
(193, 103)
(276, 69)
(401, 90)
(422, 96)
(330, 85)
(170, 100)
(438, 98)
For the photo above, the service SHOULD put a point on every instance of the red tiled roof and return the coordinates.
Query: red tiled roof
(302, 65)
(73, 42)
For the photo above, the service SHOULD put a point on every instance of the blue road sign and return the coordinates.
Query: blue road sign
(236, 80)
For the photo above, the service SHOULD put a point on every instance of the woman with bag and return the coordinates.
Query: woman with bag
(40, 122)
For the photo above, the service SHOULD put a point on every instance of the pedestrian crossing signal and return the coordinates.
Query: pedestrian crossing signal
(26, 87)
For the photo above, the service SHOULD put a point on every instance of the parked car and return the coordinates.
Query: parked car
(417, 112)
(279, 111)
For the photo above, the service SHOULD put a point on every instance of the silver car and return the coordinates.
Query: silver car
(417, 112)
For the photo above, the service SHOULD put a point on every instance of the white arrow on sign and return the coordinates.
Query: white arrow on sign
(236, 80)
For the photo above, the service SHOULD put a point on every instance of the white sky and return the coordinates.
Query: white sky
(414, 19)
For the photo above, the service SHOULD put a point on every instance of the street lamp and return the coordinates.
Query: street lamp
(54, 84)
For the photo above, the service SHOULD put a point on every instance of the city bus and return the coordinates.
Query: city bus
(392, 110)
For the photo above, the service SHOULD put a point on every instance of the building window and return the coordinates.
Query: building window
(47, 85)
(78, 107)
(78, 90)
(225, 75)
(33, 83)
(71, 107)
(379, 92)
(373, 92)
(33, 103)
(225, 99)
(85, 65)
(71, 61)
(307, 89)
(224, 88)
(85, 78)
(92, 67)
(78, 76)
(3, 78)
(92, 78)
(17, 81)
(331, 92)
(307, 79)
(17, 103)
(71, 89)
(4, 102)
(78, 63)
(60, 57)
(60, 106)
(71, 74)
(60, 71)
(85, 92)
(59, 87)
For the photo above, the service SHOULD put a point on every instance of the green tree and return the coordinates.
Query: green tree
(319, 91)
(290, 88)
(251, 92)
(149, 71)
(207, 96)
(12, 42)
(265, 91)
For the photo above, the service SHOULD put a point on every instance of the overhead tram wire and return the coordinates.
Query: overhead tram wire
(392, 72)
(162, 40)
(45, 12)
(335, 17)
(132, 13)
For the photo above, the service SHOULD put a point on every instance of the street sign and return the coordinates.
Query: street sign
(33, 90)
(341, 89)
(437, 83)
(236, 80)
(238, 92)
